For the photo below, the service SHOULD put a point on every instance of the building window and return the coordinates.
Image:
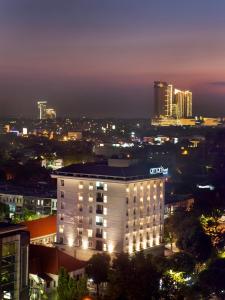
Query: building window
(80, 208)
(99, 220)
(90, 209)
(127, 200)
(62, 182)
(90, 199)
(99, 185)
(80, 198)
(99, 209)
(62, 205)
(105, 199)
(80, 231)
(99, 197)
(99, 233)
(105, 223)
(99, 245)
(134, 199)
(62, 194)
(105, 211)
(104, 235)
(91, 187)
(105, 187)
(81, 186)
(90, 221)
(90, 233)
(61, 228)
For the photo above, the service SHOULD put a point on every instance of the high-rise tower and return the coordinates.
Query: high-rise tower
(163, 99)
(42, 106)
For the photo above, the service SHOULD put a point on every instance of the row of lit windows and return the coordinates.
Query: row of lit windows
(141, 186)
(99, 209)
(141, 199)
(99, 185)
(142, 210)
(99, 197)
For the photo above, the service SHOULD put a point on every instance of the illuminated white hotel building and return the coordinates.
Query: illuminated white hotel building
(114, 207)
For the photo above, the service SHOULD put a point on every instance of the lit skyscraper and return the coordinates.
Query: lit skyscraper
(42, 105)
(170, 102)
(188, 104)
(182, 107)
(163, 96)
(45, 113)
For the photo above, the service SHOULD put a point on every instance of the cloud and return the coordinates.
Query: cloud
(217, 83)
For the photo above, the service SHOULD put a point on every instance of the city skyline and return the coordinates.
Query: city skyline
(101, 60)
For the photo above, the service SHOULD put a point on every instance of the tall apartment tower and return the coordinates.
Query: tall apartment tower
(163, 99)
(14, 247)
(42, 106)
(182, 104)
(188, 104)
(114, 207)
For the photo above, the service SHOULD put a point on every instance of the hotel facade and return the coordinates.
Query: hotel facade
(114, 207)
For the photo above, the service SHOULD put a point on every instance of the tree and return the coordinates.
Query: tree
(194, 241)
(133, 278)
(4, 211)
(211, 280)
(98, 268)
(70, 288)
(182, 262)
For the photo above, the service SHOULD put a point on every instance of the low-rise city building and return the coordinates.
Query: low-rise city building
(114, 207)
(14, 245)
(42, 231)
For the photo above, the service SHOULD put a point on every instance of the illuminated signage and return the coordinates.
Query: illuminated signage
(160, 170)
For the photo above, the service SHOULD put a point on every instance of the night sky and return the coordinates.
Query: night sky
(99, 58)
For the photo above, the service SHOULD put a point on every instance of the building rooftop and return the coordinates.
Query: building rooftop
(105, 171)
(41, 227)
(25, 191)
(49, 260)
(6, 227)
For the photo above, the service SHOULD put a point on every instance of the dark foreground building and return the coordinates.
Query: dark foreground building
(14, 246)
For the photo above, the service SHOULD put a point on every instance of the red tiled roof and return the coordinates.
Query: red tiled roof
(41, 227)
(49, 260)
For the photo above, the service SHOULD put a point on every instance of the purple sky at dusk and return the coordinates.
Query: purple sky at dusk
(99, 58)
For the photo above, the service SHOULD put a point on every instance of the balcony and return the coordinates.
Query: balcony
(99, 211)
(99, 197)
(99, 235)
(99, 223)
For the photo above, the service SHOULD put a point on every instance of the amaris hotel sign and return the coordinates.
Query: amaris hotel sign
(159, 170)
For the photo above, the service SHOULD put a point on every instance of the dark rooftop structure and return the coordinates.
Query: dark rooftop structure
(115, 171)
(44, 260)
(7, 228)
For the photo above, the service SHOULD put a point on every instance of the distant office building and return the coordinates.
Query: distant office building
(42, 105)
(14, 243)
(163, 97)
(114, 207)
(45, 113)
